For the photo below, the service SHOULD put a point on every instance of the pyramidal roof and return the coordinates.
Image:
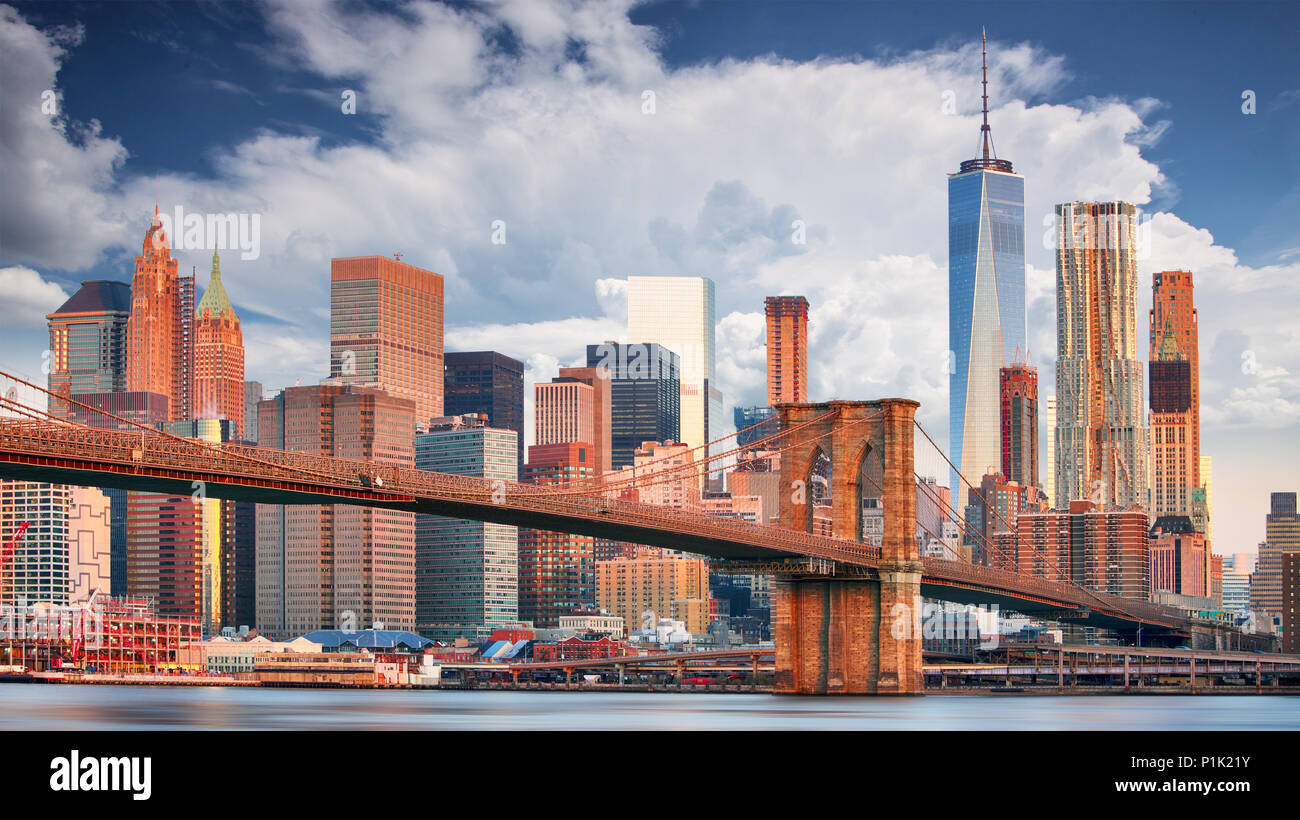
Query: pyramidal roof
(215, 298)
(99, 295)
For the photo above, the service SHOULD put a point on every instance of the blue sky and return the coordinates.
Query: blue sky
(532, 113)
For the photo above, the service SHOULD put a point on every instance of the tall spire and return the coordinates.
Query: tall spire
(988, 155)
(214, 298)
(984, 50)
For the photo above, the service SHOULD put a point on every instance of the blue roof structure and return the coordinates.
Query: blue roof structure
(367, 639)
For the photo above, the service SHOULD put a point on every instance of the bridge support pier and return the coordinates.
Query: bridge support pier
(850, 636)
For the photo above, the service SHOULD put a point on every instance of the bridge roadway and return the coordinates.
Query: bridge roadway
(152, 462)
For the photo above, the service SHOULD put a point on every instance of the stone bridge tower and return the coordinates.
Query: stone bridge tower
(855, 630)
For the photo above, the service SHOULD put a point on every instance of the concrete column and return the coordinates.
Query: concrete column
(1126, 660)
(1192, 667)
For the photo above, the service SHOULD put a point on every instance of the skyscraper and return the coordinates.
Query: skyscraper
(386, 320)
(1282, 536)
(466, 571)
(601, 412)
(1049, 473)
(787, 349)
(1175, 396)
(986, 300)
(1101, 437)
(678, 313)
(556, 570)
(1019, 423)
(1174, 463)
(486, 382)
(563, 411)
(160, 350)
(218, 356)
(645, 395)
(323, 566)
(252, 397)
(175, 542)
(88, 341)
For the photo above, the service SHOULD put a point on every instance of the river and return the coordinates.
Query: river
(87, 707)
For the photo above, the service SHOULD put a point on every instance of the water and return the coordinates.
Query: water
(82, 707)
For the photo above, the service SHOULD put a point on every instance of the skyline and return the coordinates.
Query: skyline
(739, 236)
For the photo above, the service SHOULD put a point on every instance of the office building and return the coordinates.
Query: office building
(160, 352)
(563, 412)
(986, 299)
(601, 412)
(219, 384)
(1180, 559)
(253, 395)
(489, 383)
(678, 313)
(174, 543)
(645, 395)
(386, 320)
(1019, 423)
(557, 570)
(1291, 602)
(1174, 356)
(335, 565)
(466, 571)
(1236, 582)
(1282, 535)
(1101, 435)
(787, 349)
(1048, 474)
(88, 342)
(992, 508)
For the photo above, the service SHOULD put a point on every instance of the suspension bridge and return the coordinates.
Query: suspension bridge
(846, 613)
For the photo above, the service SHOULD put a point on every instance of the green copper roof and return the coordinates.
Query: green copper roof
(215, 298)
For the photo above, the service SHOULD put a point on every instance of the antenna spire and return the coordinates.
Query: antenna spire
(988, 154)
(984, 49)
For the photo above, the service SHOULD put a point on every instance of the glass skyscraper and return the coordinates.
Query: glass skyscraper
(986, 302)
(645, 391)
(678, 313)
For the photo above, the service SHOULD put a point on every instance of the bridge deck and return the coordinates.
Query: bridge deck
(70, 454)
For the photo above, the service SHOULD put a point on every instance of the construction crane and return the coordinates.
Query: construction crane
(10, 546)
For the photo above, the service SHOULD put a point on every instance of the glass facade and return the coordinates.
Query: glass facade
(645, 392)
(986, 309)
(678, 313)
(489, 383)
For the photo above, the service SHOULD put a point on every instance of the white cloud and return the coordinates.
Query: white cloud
(553, 141)
(27, 298)
(56, 174)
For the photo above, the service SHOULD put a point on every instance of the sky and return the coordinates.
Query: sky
(612, 138)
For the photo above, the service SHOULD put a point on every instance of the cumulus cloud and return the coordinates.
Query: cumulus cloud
(57, 174)
(552, 140)
(27, 298)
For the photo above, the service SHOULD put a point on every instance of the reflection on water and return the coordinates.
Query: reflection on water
(67, 707)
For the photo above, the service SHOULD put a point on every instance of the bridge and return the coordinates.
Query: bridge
(846, 614)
